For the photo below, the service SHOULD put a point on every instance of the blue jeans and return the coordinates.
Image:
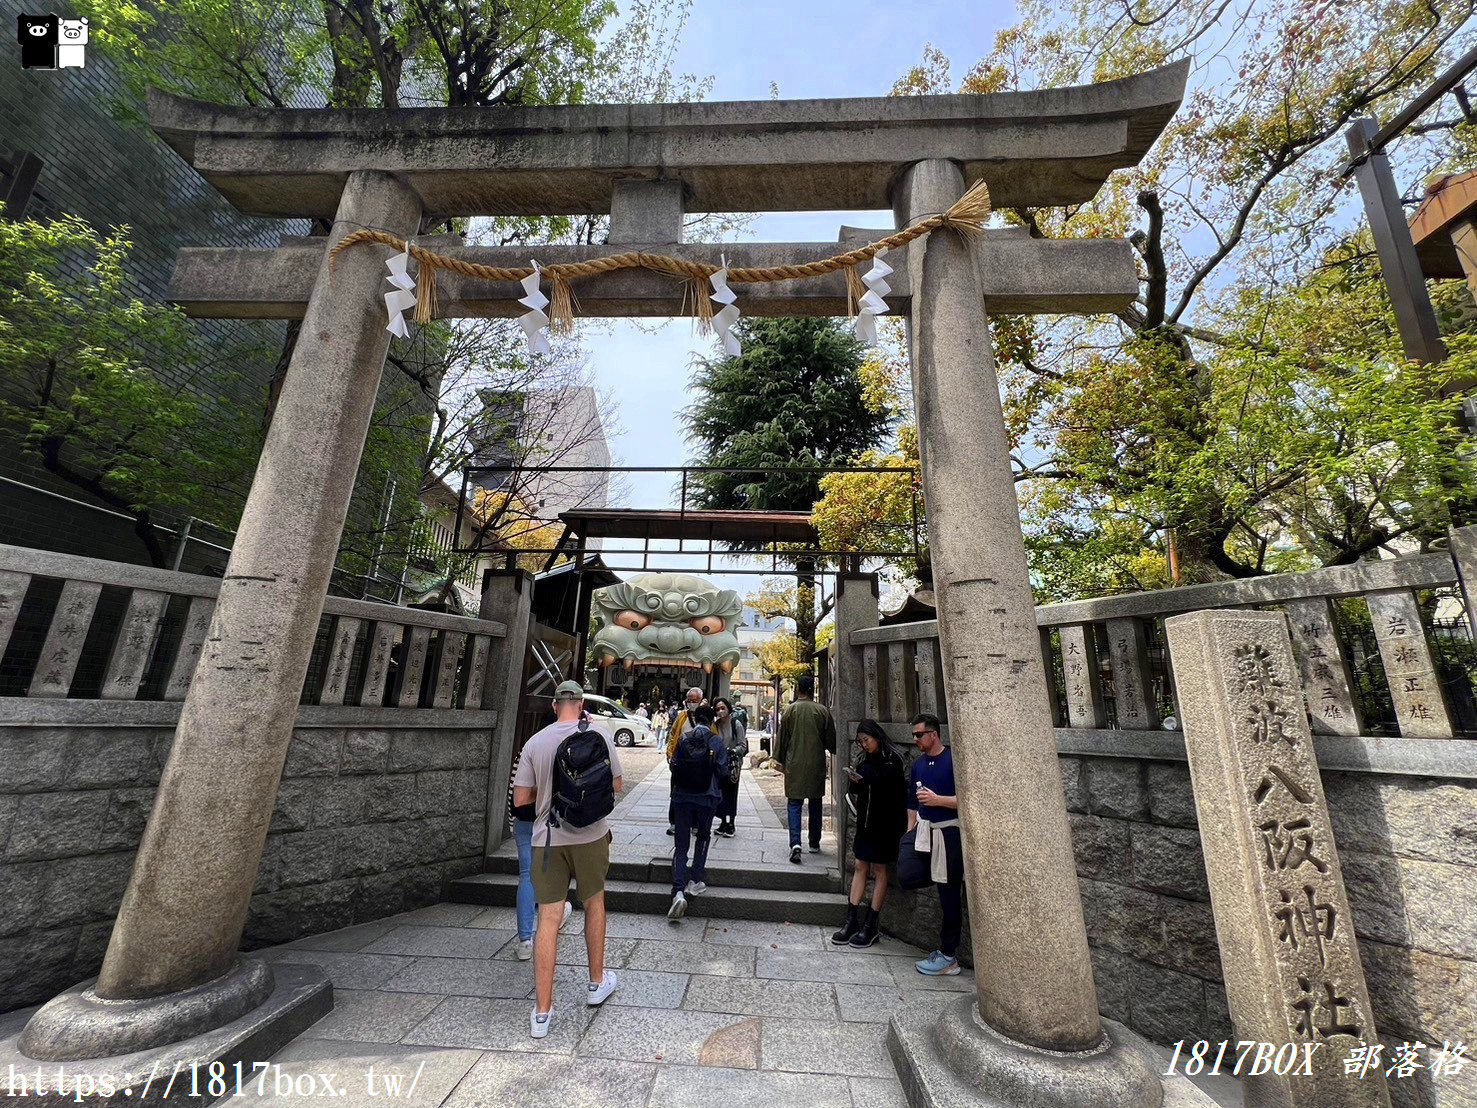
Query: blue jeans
(527, 907)
(796, 807)
(694, 820)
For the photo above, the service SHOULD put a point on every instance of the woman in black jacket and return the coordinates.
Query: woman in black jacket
(878, 785)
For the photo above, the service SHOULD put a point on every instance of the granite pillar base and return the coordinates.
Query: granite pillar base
(118, 1071)
(951, 1059)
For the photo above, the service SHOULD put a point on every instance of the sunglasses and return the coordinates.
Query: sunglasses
(926, 731)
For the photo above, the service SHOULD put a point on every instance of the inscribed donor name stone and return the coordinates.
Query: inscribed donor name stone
(1288, 952)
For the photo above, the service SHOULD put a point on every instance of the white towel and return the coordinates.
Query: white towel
(931, 835)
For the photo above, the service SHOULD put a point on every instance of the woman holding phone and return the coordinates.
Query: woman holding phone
(878, 785)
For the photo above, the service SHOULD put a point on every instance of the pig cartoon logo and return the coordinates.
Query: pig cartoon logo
(72, 44)
(38, 36)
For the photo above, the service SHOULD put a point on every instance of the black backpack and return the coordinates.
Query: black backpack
(692, 762)
(584, 787)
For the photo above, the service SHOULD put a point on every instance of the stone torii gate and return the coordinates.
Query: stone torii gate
(1032, 1033)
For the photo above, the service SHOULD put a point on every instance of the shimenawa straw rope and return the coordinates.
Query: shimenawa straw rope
(966, 215)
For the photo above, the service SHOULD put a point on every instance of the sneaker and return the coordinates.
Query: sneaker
(679, 906)
(795, 854)
(938, 964)
(525, 949)
(671, 829)
(602, 989)
(696, 888)
(538, 1022)
(815, 848)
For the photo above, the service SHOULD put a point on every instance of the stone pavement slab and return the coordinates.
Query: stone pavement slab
(809, 1046)
(362, 1073)
(369, 1016)
(571, 951)
(779, 936)
(552, 1081)
(481, 1024)
(684, 1087)
(720, 1013)
(464, 977)
(683, 957)
(442, 942)
(675, 1038)
(638, 988)
(346, 970)
(758, 997)
(835, 966)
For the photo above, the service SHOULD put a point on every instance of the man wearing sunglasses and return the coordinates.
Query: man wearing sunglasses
(933, 809)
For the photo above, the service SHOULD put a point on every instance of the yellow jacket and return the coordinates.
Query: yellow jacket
(678, 726)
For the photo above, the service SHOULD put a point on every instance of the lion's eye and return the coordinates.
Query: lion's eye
(708, 625)
(632, 621)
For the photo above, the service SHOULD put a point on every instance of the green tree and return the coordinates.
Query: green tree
(793, 405)
(82, 390)
(1250, 412)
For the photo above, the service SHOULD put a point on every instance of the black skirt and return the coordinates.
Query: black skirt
(881, 849)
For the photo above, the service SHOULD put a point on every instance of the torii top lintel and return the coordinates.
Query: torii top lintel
(1037, 148)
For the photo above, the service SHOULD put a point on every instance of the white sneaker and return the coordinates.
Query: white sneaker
(679, 906)
(525, 950)
(696, 888)
(538, 1022)
(568, 911)
(599, 992)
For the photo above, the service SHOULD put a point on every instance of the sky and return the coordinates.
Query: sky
(809, 48)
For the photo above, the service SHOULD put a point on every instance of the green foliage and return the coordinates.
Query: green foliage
(83, 393)
(794, 398)
(1252, 412)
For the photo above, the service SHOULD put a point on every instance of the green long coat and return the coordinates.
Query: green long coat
(807, 732)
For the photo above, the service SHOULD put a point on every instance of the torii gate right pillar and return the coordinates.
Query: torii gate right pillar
(1042, 1041)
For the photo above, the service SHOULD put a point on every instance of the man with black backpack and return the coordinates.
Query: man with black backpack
(699, 764)
(570, 773)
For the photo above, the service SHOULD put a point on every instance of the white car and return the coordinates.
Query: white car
(624, 728)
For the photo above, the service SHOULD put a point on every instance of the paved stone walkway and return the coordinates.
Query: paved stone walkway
(639, 822)
(728, 1011)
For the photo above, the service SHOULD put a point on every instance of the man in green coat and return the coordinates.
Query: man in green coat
(807, 733)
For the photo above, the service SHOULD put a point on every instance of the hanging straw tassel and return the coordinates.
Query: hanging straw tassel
(702, 308)
(969, 212)
(425, 291)
(855, 290)
(561, 307)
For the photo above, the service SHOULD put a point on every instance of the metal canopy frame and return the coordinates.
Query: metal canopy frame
(789, 537)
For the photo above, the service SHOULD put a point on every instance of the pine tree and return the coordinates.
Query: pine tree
(793, 398)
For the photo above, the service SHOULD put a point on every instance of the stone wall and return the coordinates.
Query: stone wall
(369, 821)
(1408, 846)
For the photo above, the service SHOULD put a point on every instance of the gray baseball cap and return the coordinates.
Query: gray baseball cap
(569, 690)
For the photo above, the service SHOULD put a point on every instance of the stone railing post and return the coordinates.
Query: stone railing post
(507, 596)
(1288, 951)
(1034, 984)
(856, 607)
(185, 906)
(1084, 683)
(1133, 687)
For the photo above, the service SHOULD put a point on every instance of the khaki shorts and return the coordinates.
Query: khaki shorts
(587, 864)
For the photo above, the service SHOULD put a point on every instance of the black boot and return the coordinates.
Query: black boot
(853, 921)
(866, 934)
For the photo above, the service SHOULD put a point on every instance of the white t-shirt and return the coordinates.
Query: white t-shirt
(536, 771)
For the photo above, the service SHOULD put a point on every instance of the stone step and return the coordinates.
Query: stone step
(654, 897)
(737, 875)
